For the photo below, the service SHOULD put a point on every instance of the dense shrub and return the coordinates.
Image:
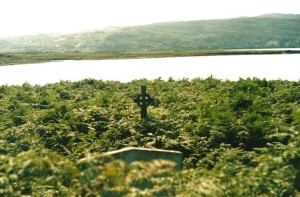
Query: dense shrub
(238, 138)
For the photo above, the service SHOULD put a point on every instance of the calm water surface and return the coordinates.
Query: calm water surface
(285, 67)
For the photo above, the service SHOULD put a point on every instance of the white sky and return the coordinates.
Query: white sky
(20, 17)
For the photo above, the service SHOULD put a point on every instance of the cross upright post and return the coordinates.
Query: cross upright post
(143, 100)
(144, 104)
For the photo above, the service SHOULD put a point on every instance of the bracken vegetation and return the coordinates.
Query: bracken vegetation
(237, 138)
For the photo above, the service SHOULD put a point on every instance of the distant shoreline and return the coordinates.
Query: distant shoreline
(266, 49)
(29, 58)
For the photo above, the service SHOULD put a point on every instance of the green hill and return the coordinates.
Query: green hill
(267, 31)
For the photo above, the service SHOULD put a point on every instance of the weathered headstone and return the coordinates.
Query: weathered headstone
(143, 100)
(132, 154)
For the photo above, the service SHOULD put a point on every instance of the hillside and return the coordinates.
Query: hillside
(267, 31)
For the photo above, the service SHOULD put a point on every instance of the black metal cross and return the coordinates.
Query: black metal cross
(143, 100)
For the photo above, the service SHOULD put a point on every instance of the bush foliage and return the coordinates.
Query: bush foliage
(238, 138)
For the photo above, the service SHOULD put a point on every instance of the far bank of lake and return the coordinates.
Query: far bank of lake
(229, 67)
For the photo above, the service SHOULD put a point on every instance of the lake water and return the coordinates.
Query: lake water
(285, 67)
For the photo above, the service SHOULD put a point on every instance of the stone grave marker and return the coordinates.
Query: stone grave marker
(143, 100)
(132, 154)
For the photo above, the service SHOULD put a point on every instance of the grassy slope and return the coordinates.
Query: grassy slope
(260, 32)
(255, 32)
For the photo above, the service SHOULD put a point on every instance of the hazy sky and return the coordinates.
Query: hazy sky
(19, 17)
